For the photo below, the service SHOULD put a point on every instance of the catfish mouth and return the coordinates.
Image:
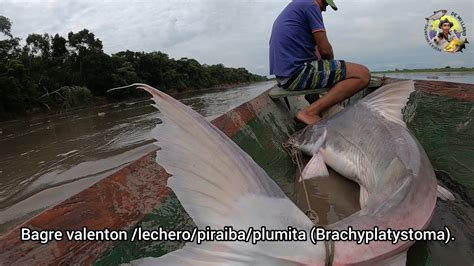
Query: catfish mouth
(300, 138)
(309, 140)
(292, 143)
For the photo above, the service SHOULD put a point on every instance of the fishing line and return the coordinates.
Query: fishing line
(297, 158)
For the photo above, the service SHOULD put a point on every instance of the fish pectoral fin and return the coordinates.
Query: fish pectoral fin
(315, 168)
(444, 194)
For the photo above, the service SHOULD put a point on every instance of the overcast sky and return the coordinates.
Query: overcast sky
(381, 34)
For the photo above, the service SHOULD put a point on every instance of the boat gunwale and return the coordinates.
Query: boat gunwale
(129, 185)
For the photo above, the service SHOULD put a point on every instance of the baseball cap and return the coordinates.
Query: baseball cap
(331, 3)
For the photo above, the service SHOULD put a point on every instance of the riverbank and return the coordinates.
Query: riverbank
(214, 88)
(461, 77)
(423, 70)
(98, 103)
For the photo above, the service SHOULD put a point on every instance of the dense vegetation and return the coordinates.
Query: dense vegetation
(56, 72)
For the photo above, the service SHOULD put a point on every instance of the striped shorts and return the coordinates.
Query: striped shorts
(315, 75)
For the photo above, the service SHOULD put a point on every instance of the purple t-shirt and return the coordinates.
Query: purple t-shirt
(292, 42)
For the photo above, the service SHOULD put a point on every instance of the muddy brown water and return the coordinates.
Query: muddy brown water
(332, 197)
(43, 162)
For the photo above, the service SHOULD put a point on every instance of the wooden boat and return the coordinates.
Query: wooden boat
(137, 196)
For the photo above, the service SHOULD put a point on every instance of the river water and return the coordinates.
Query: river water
(43, 162)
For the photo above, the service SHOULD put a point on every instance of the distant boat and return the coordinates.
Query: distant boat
(432, 77)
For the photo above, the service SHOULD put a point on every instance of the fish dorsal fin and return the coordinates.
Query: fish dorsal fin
(389, 100)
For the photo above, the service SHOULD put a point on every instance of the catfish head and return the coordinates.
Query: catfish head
(309, 140)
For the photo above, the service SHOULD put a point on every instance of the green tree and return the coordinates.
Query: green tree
(9, 47)
(39, 44)
(84, 41)
(61, 73)
(6, 26)
(58, 46)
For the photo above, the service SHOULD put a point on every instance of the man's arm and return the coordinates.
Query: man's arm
(324, 47)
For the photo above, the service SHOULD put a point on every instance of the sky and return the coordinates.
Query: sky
(381, 34)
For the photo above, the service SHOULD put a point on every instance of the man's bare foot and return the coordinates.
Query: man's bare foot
(306, 118)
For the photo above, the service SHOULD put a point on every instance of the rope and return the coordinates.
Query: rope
(297, 158)
(312, 215)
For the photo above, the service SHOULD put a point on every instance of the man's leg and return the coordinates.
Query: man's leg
(357, 78)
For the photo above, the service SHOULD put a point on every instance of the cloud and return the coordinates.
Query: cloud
(380, 34)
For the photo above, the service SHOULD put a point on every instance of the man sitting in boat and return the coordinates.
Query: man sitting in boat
(302, 58)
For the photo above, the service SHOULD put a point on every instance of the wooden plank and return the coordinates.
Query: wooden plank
(277, 92)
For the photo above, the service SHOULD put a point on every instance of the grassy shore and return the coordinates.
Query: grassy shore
(444, 69)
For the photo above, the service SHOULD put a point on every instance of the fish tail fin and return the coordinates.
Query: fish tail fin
(220, 186)
(209, 171)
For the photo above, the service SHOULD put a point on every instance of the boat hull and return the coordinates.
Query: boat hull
(137, 196)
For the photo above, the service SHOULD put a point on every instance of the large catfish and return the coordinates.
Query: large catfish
(219, 185)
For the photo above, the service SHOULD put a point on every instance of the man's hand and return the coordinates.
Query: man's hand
(324, 47)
